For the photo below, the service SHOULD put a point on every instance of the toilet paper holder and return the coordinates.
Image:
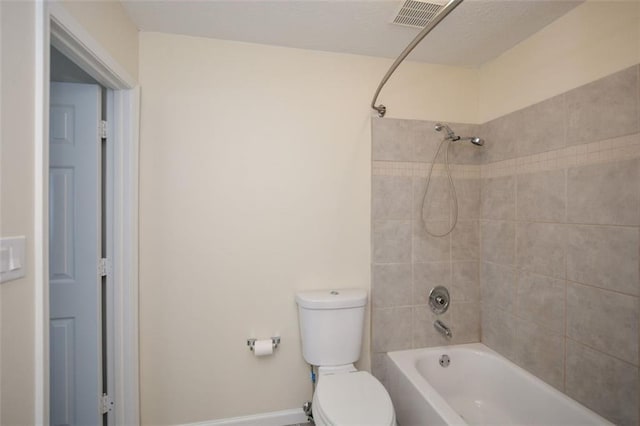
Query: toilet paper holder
(274, 340)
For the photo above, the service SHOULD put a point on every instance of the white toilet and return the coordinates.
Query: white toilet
(331, 326)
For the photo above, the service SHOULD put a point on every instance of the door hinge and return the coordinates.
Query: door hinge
(106, 404)
(104, 267)
(102, 129)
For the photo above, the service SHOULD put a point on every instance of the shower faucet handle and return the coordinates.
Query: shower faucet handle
(439, 299)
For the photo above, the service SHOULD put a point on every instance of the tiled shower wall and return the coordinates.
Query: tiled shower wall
(560, 230)
(407, 262)
(555, 225)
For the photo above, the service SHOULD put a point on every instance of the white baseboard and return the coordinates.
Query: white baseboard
(274, 418)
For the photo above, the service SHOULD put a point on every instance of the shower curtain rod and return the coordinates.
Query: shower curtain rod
(382, 110)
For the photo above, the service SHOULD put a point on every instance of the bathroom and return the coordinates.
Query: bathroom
(263, 172)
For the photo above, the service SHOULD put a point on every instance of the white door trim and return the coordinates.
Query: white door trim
(55, 26)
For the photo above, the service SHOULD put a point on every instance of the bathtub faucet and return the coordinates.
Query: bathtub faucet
(443, 329)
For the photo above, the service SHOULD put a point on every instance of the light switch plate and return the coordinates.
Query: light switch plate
(12, 258)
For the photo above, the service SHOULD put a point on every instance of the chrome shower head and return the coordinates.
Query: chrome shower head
(454, 138)
(450, 134)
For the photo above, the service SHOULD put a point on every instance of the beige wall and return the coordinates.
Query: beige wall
(16, 210)
(119, 37)
(594, 40)
(109, 24)
(255, 183)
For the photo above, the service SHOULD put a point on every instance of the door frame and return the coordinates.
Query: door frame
(55, 26)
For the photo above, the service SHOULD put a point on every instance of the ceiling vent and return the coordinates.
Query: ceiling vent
(417, 14)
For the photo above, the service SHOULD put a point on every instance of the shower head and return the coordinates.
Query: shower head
(477, 141)
(450, 135)
(454, 138)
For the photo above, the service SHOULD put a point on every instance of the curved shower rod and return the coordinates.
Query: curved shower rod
(382, 110)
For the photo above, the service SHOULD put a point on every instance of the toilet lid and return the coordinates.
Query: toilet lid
(351, 399)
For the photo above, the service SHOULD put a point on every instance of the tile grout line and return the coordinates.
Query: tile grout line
(516, 305)
(565, 124)
(638, 284)
(621, 148)
(601, 352)
(414, 291)
(555, 277)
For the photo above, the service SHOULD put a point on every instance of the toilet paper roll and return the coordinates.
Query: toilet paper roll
(263, 347)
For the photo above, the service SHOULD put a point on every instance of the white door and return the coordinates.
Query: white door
(74, 253)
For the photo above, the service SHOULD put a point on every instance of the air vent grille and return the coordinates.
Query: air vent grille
(417, 14)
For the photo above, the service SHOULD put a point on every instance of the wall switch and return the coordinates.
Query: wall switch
(12, 258)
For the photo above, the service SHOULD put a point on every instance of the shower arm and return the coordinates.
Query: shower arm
(382, 110)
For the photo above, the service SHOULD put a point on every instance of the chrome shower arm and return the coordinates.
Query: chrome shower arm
(382, 110)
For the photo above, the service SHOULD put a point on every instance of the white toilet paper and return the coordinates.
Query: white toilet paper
(263, 347)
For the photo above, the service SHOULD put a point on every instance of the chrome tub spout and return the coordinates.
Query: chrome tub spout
(443, 329)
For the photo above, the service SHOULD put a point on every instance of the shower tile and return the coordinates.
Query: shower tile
(604, 193)
(379, 368)
(603, 383)
(498, 198)
(428, 275)
(390, 140)
(465, 285)
(391, 285)
(466, 152)
(468, 192)
(498, 240)
(391, 197)
(498, 286)
(541, 127)
(391, 329)
(604, 256)
(541, 196)
(437, 203)
(541, 248)
(427, 248)
(441, 159)
(466, 322)
(541, 352)
(392, 241)
(499, 331)
(423, 139)
(500, 137)
(541, 300)
(426, 140)
(603, 109)
(424, 334)
(603, 320)
(465, 240)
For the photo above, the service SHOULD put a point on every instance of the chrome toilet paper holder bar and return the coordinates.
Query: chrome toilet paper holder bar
(274, 340)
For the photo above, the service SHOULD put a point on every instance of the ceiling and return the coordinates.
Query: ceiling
(474, 33)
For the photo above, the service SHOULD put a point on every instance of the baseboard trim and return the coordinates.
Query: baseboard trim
(274, 418)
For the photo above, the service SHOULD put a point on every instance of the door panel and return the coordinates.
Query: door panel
(62, 373)
(74, 253)
(62, 247)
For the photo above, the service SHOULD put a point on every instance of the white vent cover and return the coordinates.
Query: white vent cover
(417, 13)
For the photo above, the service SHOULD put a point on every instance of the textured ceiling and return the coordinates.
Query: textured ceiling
(476, 32)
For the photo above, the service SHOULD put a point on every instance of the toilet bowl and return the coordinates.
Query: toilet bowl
(352, 399)
(331, 328)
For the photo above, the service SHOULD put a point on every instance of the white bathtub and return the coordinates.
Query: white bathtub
(479, 387)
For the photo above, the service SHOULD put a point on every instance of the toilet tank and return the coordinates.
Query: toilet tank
(331, 325)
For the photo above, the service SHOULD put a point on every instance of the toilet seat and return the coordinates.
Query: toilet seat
(352, 399)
